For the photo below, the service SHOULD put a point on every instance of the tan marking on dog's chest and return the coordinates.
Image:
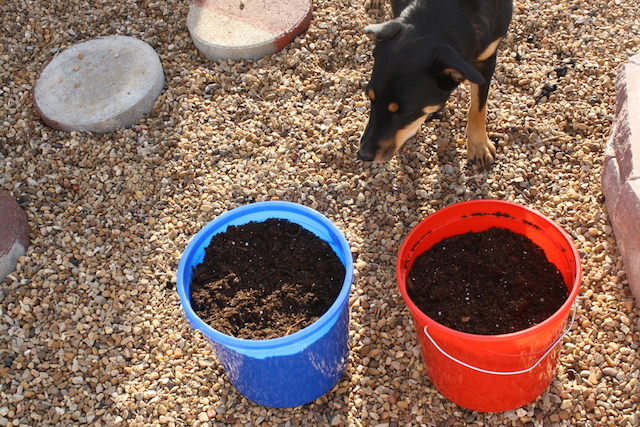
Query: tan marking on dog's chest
(490, 50)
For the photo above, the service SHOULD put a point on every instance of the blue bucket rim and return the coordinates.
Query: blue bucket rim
(204, 235)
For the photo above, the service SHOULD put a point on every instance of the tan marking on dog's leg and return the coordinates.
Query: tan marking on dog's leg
(480, 149)
(490, 50)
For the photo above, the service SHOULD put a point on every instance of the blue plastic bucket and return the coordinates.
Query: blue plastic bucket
(286, 371)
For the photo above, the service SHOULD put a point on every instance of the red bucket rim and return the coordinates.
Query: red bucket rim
(475, 204)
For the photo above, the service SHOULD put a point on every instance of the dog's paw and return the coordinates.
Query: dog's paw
(373, 4)
(481, 152)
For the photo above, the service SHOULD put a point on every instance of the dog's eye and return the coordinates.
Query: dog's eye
(394, 108)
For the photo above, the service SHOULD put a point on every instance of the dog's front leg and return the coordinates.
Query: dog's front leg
(480, 149)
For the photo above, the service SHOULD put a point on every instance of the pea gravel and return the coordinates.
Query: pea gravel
(92, 331)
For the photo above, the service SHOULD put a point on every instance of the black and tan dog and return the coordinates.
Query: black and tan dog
(421, 56)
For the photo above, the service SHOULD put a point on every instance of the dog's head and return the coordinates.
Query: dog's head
(412, 77)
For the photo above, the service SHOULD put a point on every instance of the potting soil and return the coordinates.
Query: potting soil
(265, 280)
(487, 283)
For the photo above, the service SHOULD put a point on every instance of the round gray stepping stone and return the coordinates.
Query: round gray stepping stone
(99, 85)
(246, 29)
(14, 234)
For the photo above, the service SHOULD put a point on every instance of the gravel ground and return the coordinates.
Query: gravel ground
(92, 331)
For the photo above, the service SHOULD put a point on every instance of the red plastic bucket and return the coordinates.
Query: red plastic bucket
(491, 373)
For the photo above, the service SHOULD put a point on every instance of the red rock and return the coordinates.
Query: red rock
(14, 234)
(621, 171)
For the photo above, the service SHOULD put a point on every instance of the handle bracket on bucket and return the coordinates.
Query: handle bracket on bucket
(523, 371)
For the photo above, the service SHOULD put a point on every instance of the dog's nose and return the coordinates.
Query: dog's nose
(365, 157)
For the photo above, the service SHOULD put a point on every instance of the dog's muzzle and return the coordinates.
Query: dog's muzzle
(366, 156)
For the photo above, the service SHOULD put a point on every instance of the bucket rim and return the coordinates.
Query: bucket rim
(203, 237)
(489, 206)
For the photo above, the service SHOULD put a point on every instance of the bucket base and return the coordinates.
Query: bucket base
(484, 392)
(283, 381)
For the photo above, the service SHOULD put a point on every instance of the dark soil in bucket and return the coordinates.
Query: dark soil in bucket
(487, 283)
(265, 280)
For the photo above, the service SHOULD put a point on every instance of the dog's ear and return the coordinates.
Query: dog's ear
(383, 31)
(456, 67)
